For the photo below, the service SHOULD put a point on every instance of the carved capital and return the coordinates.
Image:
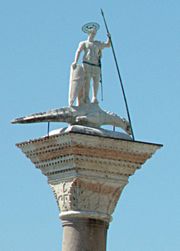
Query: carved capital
(86, 198)
(86, 172)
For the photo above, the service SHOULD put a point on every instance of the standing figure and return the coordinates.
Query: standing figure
(91, 61)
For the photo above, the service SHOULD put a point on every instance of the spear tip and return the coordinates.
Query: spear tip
(102, 12)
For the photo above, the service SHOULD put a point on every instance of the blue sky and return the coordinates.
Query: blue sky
(37, 46)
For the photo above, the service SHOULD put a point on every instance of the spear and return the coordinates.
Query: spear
(119, 75)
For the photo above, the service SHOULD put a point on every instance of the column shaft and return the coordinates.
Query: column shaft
(84, 234)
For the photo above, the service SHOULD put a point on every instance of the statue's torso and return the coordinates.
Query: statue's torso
(92, 51)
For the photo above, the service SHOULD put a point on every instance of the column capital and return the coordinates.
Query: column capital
(87, 173)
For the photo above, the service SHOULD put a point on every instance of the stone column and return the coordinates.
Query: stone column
(87, 174)
(84, 234)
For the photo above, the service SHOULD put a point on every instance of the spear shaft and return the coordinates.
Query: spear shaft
(119, 75)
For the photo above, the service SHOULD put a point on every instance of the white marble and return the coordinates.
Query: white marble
(90, 115)
(91, 131)
(91, 65)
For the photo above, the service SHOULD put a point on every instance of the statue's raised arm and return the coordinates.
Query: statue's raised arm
(81, 75)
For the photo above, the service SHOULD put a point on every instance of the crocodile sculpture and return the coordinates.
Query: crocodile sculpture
(86, 114)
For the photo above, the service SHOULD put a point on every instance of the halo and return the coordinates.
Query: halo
(90, 26)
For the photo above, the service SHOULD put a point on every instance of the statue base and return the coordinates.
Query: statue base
(91, 131)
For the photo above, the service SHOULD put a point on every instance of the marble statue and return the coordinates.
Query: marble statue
(81, 75)
(86, 113)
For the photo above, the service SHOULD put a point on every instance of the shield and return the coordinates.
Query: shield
(76, 84)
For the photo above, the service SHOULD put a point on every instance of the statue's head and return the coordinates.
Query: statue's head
(92, 31)
(91, 28)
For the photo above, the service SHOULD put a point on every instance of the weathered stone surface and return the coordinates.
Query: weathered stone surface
(86, 115)
(92, 131)
(87, 170)
(84, 235)
(87, 173)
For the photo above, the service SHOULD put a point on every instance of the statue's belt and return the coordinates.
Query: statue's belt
(97, 65)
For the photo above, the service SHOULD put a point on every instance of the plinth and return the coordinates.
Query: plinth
(87, 170)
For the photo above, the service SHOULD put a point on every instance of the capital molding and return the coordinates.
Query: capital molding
(87, 173)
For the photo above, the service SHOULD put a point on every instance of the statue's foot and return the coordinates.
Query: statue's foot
(94, 100)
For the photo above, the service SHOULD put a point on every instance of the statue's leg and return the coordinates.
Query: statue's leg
(81, 95)
(96, 80)
(87, 79)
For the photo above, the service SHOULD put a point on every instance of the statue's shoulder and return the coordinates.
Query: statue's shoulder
(85, 44)
(82, 44)
(100, 45)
